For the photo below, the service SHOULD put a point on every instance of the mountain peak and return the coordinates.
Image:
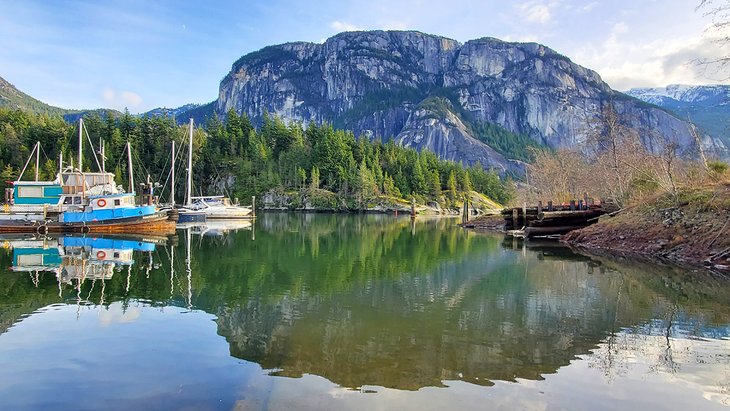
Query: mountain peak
(504, 95)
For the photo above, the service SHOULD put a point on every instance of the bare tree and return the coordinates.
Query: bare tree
(719, 12)
(616, 152)
(698, 141)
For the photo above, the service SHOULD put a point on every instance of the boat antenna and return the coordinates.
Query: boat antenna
(131, 174)
(188, 200)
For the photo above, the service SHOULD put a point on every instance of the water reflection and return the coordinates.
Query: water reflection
(386, 305)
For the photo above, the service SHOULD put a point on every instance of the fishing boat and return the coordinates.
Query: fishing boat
(78, 201)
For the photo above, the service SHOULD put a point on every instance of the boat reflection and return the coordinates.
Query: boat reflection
(216, 228)
(76, 258)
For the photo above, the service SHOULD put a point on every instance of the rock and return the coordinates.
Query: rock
(377, 83)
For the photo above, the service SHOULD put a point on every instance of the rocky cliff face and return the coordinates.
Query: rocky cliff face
(382, 84)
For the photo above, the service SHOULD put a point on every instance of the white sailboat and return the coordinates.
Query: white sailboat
(216, 207)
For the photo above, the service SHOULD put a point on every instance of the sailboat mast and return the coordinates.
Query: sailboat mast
(37, 158)
(81, 141)
(131, 174)
(103, 155)
(189, 199)
(172, 173)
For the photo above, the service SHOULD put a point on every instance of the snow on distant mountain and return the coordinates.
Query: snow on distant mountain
(706, 106)
(705, 95)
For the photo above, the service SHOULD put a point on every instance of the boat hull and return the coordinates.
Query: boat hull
(157, 223)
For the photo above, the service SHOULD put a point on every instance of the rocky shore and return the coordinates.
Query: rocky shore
(679, 234)
(692, 229)
(318, 200)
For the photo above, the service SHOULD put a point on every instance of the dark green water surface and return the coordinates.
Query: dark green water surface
(353, 312)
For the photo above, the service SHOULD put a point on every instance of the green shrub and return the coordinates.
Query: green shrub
(717, 169)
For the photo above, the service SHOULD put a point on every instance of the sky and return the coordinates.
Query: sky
(142, 54)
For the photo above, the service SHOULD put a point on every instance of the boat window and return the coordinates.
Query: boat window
(116, 254)
(77, 200)
(67, 200)
(30, 191)
(116, 202)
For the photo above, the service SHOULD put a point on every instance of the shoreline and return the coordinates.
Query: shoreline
(690, 240)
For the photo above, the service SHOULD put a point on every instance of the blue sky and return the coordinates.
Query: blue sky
(146, 54)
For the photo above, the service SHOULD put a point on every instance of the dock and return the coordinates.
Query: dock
(552, 220)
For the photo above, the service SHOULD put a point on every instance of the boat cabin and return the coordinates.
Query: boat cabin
(36, 192)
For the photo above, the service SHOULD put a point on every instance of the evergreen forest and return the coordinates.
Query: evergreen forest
(233, 157)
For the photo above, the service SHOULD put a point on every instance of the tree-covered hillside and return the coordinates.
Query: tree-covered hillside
(235, 158)
(11, 97)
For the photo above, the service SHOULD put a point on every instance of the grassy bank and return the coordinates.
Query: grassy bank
(692, 227)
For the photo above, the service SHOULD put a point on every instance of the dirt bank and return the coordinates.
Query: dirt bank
(692, 229)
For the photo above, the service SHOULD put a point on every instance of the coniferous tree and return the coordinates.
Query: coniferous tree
(451, 186)
(314, 178)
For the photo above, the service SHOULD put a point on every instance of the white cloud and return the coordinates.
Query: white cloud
(626, 63)
(131, 98)
(521, 38)
(340, 26)
(536, 12)
(395, 25)
(121, 100)
(589, 7)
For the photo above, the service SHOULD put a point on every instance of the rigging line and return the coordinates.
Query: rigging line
(162, 172)
(167, 161)
(30, 157)
(92, 148)
(140, 164)
(44, 153)
(225, 190)
(119, 162)
(177, 154)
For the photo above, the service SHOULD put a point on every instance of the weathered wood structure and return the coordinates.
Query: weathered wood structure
(550, 220)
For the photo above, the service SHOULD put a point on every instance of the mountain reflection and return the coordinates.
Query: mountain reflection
(373, 300)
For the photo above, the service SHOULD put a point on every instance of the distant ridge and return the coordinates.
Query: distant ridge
(707, 106)
(11, 97)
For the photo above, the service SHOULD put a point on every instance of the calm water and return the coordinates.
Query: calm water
(353, 312)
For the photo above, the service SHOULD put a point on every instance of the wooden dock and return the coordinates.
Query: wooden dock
(551, 220)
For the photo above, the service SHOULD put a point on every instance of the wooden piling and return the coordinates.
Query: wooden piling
(253, 206)
(539, 210)
(585, 199)
(524, 214)
(515, 213)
